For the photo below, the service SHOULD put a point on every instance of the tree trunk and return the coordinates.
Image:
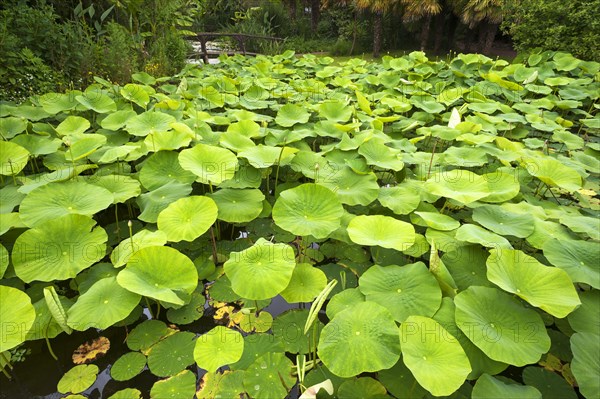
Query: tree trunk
(425, 29)
(487, 36)
(440, 24)
(355, 15)
(377, 33)
(452, 28)
(315, 14)
(292, 9)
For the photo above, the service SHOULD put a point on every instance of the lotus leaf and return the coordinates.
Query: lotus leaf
(578, 258)
(586, 363)
(306, 283)
(383, 231)
(172, 354)
(78, 379)
(291, 114)
(187, 218)
(211, 165)
(218, 347)
(488, 387)
(128, 366)
(270, 376)
(179, 386)
(238, 206)
(461, 185)
(17, 319)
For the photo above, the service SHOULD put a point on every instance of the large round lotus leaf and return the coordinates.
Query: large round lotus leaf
(263, 156)
(586, 363)
(218, 347)
(360, 339)
(383, 231)
(172, 354)
(270, 376)
(582, 224)
(308, 209)
(180, 386)
(149, 122)
(435, 357)
(127, 393)
(335, 110)
(190, 312)
(474, 234)
(550, 384)
(587, 317)
(504, 222)
(78, 379)
(290, 114)
(38, 145)
(163, 167)
(172, 140)
(136, 93)
(17, 315)
(143, 238)
(256, 345)
(306, 283)
(187, 218)
(288, 329)
(72, 125)
(547, 288)
(71, 197)
(402, 199)
(461, 185)
(82, 145)
(364, 387)
(238, 206)
(11, 126)
(488, 387)
(221, 385)
(501, 326)
(117, 120)
(350, 187)
(97, 101)
(554, 173)
(403, 290)
(380, 155)
(128, 366)
(438, 221)
(343, 300)
(9, 198)
(209, 163)
(400, 382)
(121, 187)
(103, 305)
(146, 274)
(146, 334)
(58, 249)
(153, 202)
(261, 271)
(13, 158)
(576, 257)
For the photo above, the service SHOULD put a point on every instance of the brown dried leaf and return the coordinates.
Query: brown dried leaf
(91, 350)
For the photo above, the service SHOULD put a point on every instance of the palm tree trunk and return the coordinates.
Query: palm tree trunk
(315, 14)
(425, 29)
(488, 34)
(377, 33)
(440, 24)
(354, 32)
(452, 27)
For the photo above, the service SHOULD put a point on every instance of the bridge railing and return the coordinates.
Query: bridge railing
(241, 39)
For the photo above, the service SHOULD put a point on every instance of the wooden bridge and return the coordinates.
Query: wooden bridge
(241, 38)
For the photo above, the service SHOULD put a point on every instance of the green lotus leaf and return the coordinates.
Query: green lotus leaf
(308, 209)
(72, 197)
(11, 126)
(187, 218)
(146, 275)
(364, 387)
(127, 393)
(238, 206)
(136, 93)
(270, 376)
(402, 199)
(235, 141)
(554, 173)
(586, 363)
(290, 114)
(461, 185)
(335, 111)
(171, 140)
(546, 230)
(261, 271)
(288, 329)
(576, 257)
(97, 101)
(4, 260)
(58, 249)
(17, 319)
(548, 288)
(218, 347)
(78, 379)
(162, 168)
(172, 354)
(383, 231)
(403, 290)
(361, 339)
(378, 154)
(435, 357)
(220, 290)
(144, 238)
(102, 305)
(38, 145)
(263, 156)
(488, 387)
(478, 235)
(467, 265)
(350, 187)
(400, 382)
(121, 187)
(190, 312)
(10, 197)
(149, 122)
(249, 322)
(438, 221)
(256, 345)
(306, 283)
(128, 366)
(221, 385)
(72, 125)
(54, 103)
(146, 334)
(504, 222)
(154, 202)
(343, 300)
(501, 326)
(211, 165)
(117, 120)
(429, 106)
(10, 221)
(82, 145)
(13, 158)
(247, 128)
(180, 386)
(587, 317)
(550, 384)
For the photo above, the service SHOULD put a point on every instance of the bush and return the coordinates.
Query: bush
(555, 25)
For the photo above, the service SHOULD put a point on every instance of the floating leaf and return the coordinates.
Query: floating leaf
(13, 158)
(488, 387)
(90, 351)
(211, 165)
(146, 334)
(218, 347)
(306, 283)
(238, 206)
(128, 366)
(18, 318)
(78, 379)
(586, 363)
(578, 258)
(461, 185)
(172, 354)
(270, 376)
(383, 231)
(180, 386)
(187, 218)
(290, 114)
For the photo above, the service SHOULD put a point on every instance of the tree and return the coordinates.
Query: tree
(422, 10)
(378, 8)
(483, 15)
(315, 14)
